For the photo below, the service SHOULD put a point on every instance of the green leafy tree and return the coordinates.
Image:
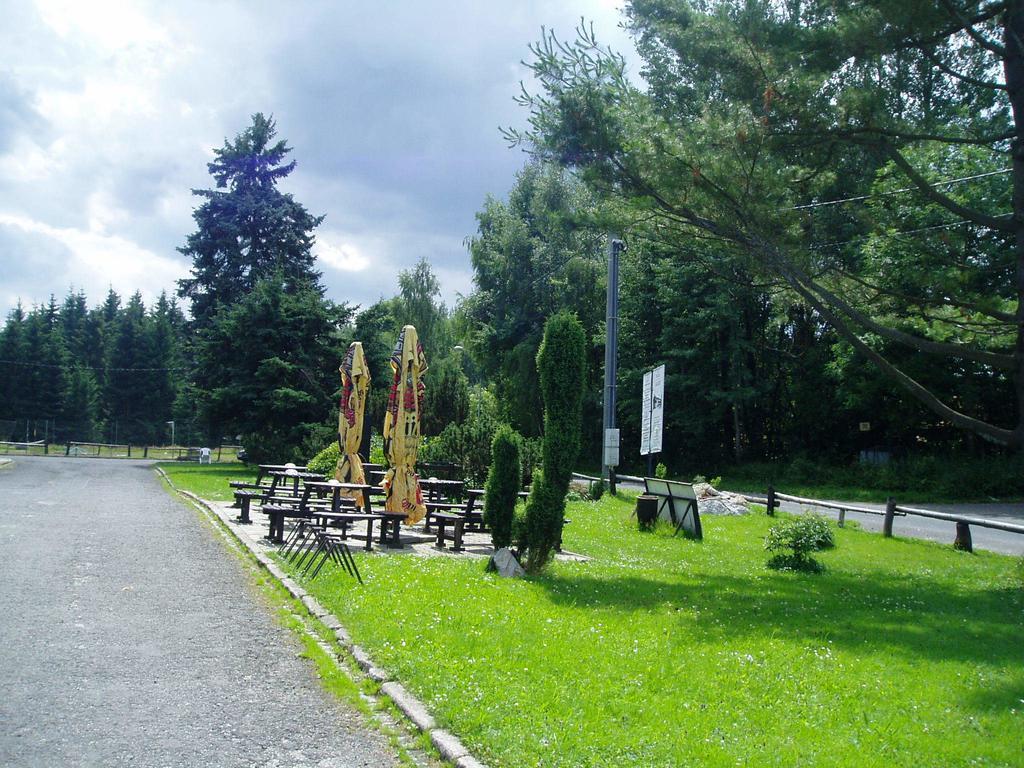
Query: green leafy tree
(265, 334)
(418, 303)
(447, 397)
(534, 255)
(43, 370)
(80, 405)
(14, 384)
(561, 364)
(757, 117)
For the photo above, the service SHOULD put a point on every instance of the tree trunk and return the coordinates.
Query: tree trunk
(1013, 67)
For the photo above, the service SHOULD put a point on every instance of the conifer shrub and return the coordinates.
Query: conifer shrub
(503, 485)
(561, 365)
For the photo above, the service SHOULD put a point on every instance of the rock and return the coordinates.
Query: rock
(711, 501)
(705, 490)
(726, 504)
(506, 565)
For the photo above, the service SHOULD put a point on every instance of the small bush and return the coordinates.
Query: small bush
(502, 486)
(325, 462)
(576, 492)
(792, 541)
(597, 489)
(467, 444)
(714, 482)
(661, 471)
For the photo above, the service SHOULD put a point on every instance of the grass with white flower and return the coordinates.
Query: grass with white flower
(663, 652)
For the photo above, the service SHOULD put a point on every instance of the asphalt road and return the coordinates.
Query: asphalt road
(131, 637)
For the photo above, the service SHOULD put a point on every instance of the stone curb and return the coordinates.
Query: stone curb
(447, 744)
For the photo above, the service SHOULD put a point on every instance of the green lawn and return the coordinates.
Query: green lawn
(666, 652)
(210, 481)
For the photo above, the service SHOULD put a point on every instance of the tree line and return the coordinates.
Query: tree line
(107, 373)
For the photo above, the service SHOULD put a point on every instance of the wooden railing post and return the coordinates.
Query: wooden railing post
(842, 518)
(963, 538)
(67, 450)
(145, 452)
(771, 501)
(890, 513)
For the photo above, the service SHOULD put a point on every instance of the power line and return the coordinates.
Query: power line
(860, 198)
(88, 367)
(893, 235)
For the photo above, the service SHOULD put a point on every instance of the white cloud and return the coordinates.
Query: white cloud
(343, 256)
(96, 260)
(110, 25)
(392, 110)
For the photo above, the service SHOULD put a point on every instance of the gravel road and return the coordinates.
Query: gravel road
(132, 637)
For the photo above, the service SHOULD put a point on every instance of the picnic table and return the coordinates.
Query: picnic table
(390, 521)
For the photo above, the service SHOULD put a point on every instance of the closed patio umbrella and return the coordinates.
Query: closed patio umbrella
(402, 428)
(355, 383)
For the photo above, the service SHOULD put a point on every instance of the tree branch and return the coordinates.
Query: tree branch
(987, 15)
(938, 62)
(967, 25)
(929, 191)
(946, 349)
(891, 133)
(984, 429)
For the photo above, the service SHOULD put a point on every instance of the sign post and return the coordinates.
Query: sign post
(652, 420)
(611, 358)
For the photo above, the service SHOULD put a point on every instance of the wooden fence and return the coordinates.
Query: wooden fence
(221, 453)
(894, 510)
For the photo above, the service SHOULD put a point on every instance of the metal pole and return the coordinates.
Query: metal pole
(611, 356)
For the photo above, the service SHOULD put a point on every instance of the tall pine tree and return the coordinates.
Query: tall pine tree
(246, 228)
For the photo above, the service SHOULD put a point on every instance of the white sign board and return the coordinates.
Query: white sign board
(611, 447)
(657, 408)
(652, 419)
(645, 415)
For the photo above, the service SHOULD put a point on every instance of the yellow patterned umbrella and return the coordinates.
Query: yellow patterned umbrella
(355, 383)
(402, 428)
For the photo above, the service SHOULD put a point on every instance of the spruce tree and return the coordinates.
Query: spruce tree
(247, 229)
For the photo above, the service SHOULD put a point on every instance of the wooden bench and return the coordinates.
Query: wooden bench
(243, 499)
(284, 505)
(342, 520)
(443, 520)
(467, 509)
(680, 500)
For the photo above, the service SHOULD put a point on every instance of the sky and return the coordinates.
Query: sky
(110, 110)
